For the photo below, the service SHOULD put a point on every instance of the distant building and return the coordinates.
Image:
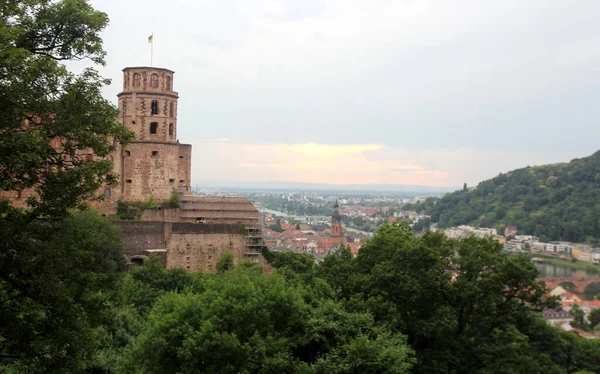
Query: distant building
(555, 317)
(510, 230)
(337, 236)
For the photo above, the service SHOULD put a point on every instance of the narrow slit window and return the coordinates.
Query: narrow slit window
(128, 180)
(154, 153)
(170, 129)
(172, 109)
(153, 127)
(154, 107)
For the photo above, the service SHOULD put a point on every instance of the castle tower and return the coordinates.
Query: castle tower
(155, 164)
(337, 237)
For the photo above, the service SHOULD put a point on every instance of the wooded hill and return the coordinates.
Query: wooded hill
(554, 202)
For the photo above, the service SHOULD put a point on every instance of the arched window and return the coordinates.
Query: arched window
(154, 107)
(171, 109)
(137, 80)
(153, 127)
(154, 80)
(168, 83)
(170, 129)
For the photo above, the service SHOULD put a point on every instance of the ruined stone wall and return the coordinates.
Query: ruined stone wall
(196, 252)
(161, 215)
(198, 247)
(185, 167)
(139, 236)
(150, 169)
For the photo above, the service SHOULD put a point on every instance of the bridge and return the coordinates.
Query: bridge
(579, 283)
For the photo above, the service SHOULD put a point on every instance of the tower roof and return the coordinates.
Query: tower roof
(336, 217)
(147, 67)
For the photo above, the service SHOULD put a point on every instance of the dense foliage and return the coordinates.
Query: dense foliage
(404, 304)
(56, 267)
(554, 202)
(51, 118)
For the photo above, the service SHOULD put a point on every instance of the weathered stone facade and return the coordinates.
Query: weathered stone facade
(191, 246)
(193, 236)
(155, 164)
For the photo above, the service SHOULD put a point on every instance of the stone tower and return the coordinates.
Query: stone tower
(155, 164)
(336, 226)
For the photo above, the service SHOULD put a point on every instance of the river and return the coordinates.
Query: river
(553, 270)
(319, 219)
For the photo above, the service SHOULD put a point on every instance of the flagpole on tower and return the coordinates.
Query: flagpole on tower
(151, 41)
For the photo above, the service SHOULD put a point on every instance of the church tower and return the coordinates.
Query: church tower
(337, 237)
(154, 164)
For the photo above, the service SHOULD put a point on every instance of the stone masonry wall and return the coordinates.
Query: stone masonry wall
(139, 236)
(202, 251)
(150, 169)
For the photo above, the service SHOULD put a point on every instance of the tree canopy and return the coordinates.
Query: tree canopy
(51, 119)
(57, 267)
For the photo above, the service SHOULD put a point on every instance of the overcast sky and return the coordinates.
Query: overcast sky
(375, 91)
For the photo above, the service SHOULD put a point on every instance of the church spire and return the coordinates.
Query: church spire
(336, 217)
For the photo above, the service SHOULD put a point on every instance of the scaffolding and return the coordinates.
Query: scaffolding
(219, 209)
(254, 241)
(228, 210)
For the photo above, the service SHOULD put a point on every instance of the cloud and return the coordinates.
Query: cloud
(370, 90)
(356, 163)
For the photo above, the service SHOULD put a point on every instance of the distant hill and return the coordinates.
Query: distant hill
(554, 202)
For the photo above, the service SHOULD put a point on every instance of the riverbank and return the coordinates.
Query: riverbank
(578, 265)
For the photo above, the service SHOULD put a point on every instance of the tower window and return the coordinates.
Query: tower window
(170, 129)
(127, 153)
(181, 181)
(136, 80)
(154, 80)
(171, 109)
(107, 193)
(171, 180)
(154, 153)
(154, 107)
(128, 180)
(153, 127)
(168, 83)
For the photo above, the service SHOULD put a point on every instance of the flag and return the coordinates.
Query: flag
(150, 38)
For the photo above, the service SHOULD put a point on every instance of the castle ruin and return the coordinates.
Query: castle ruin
(155, 165)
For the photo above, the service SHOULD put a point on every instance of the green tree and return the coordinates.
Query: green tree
(594, 318)
(447, 296)
(54, 284)
(56, 268)
(277, 226)
(579, 318)
(50, 118)
(225, 262)
(246, 321)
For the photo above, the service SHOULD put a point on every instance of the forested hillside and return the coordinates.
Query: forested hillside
(554, 202)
